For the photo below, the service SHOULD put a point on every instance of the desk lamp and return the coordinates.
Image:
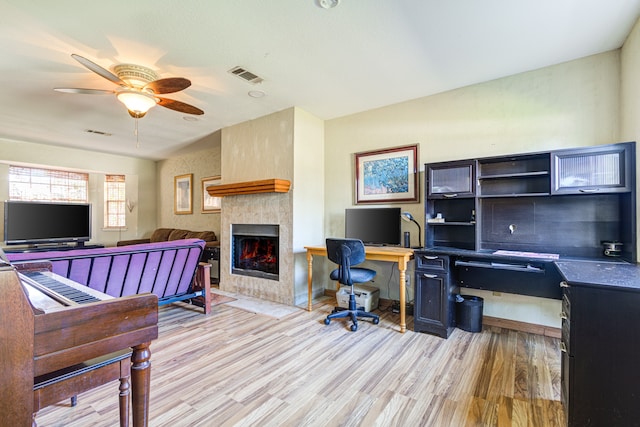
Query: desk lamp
(408, 217)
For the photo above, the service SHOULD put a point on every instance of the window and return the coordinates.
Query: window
(46, 185)
(114, 202)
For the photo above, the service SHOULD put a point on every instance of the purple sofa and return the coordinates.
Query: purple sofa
(171, 270)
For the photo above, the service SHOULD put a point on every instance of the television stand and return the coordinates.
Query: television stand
(50, 248)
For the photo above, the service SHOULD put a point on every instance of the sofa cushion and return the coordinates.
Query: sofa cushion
(178, 234)
(207, 236)
(161, 235)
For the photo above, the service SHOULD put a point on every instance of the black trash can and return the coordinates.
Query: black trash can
(469, 313)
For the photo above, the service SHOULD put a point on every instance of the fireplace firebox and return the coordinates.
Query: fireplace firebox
(255, 249)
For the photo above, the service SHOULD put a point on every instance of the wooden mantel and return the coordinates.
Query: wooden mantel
(250, 187)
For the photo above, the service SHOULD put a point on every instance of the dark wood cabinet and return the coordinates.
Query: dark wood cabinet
(450, 204)
(514, 176)
(451, 180)
(600, 349)
(565, 202)
(604, 169)
(211, 255)
(540, 206)
(434, 309)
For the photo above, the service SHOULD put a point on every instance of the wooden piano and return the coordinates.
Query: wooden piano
(40, 336)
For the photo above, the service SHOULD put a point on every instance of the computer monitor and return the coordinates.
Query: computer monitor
(374, 226)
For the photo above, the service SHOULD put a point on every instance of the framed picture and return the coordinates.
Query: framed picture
(210, 204)
(387, 176)
(183, 194)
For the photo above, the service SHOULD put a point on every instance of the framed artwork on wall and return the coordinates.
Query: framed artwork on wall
(387, 176)
(210, 204)
(183, 194)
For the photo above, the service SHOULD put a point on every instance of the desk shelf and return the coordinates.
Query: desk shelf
(533, 202)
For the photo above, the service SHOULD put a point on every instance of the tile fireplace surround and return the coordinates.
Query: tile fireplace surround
(266, 208)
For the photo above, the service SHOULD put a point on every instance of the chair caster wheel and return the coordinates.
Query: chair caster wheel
(327, 321)
(376, 321)
(354, 328)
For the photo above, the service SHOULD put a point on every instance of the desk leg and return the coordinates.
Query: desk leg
(309, 280)
(402, 267)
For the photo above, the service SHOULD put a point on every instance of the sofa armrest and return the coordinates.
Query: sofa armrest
(133, 242)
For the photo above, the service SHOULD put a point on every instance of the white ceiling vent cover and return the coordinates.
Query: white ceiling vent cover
(245, 75)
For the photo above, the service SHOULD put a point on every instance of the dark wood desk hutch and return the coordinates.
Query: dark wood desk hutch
(502, 223)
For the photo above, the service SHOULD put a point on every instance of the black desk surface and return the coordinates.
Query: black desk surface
(620, 275)
(604, 271)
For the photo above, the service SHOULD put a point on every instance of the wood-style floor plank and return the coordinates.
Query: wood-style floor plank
(236, 368)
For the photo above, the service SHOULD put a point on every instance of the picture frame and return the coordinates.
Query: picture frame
(183, 194)
(387, 176)
(210, 204)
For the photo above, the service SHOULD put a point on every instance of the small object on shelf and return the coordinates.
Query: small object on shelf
(613, 248)
(435, 220)
(473, 216)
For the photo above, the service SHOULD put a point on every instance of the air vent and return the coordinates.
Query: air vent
(98, 132)
(245, 75)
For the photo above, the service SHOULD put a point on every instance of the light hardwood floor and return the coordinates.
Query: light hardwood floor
(235, 368)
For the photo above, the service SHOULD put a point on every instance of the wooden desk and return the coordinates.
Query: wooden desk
(383, 253)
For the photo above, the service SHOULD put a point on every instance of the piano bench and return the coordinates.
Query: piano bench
(69, 382)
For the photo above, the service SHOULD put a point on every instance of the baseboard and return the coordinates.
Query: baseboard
(516, 325)
(330, 293)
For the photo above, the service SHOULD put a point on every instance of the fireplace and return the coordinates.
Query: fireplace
(255, 250)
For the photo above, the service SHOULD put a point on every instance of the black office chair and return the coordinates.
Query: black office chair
(346, 253)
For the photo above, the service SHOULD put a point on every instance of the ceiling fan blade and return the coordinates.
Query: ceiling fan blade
(98, 69)
(172, 104)
(169, 85)
(84, 91)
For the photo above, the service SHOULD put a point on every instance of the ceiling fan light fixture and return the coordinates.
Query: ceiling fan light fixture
(138, 103)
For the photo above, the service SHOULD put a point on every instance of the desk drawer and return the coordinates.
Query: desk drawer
(528, 278)
(432, 262)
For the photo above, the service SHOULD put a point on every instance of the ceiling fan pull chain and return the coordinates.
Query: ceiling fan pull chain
(135, 132)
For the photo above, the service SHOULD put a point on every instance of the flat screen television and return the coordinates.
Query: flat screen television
(374, 226)
(43, 222)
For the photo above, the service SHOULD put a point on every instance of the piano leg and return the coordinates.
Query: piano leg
(140, 384)
(125, 392)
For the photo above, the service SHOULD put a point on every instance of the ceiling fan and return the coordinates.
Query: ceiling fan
(138, 88)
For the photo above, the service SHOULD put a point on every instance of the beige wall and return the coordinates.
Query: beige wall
(140, 182)
(567, 105)
(308, 196)
(630, 96)
(203, 163)
(287, 145)
(247, 147)
(255, 150)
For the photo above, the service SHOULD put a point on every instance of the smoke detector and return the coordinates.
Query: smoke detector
(328, 4)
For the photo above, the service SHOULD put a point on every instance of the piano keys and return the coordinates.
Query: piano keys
(57, 292)
(40, 334)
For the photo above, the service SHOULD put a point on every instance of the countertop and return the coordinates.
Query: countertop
(488, 254)
(620, 275)
(599, 272)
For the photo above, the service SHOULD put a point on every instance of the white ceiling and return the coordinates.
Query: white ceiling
(363, 54)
